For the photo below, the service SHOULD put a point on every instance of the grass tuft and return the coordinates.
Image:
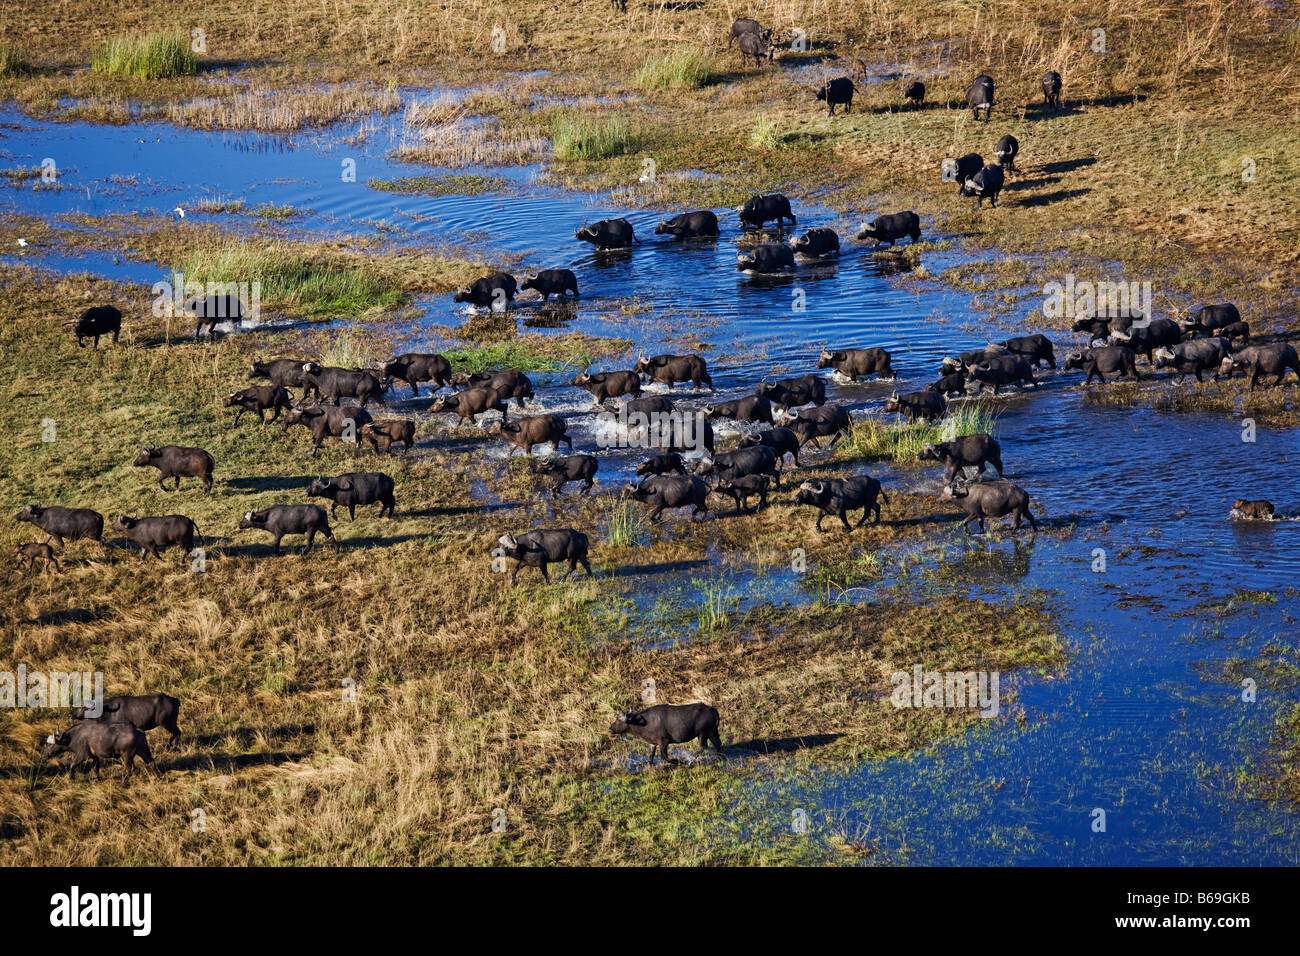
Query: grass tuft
(577, 136)
(153, 56)
(13, 63)
(683, 69)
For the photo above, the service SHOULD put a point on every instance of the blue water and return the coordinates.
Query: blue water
(1138, 723)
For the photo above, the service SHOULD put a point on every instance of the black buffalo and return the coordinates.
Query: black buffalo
(666, 724)
(608, 234)
(1052, 89)
(153, 535)
(766, 258)
(986, 184)
(177, 461)
(537, 549)
(818, 243)
(762, 209)
(857, 363)
(701, 224)
(551, 282)
(670, 369)
(96, 321)
(280, 520)
(979, 96)
(836, 92)
(416, 367)
(838, 496)
(565, 469)
(495, 291)
(672, 491)
(892, 227)
(1109, 359)
(356, 488)
(60, 523)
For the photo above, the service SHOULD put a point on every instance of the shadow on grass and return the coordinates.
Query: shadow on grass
(783, 745)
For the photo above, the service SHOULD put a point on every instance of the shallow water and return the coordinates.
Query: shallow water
(1136, 724)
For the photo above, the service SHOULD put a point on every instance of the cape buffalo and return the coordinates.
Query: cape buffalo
(549, 282)
(857, 363)
(838, 496)
(1006, 150)
(836, 92)
(96, 321)
(537, 549)
(353, 489)
(986, 184)
(280, 520)
(892, 227)
(340, 421)
(701, 224)
(762, 209)
(672, 491)
(92, 740)
(153, 535)
(59, 523)
(258, 398)
(670, 369)
(1114, 359)
(565, 469)
(416, 367)
(666, 724)
(496, 291)
(608, 234)
(991, 499)
(766, 258)
(177, 461)
(969, 451)
(1052, 89)
(817, 243)
(928, 405)
(979, 96)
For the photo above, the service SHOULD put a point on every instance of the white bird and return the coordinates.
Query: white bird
(179, 211)
(22, 243)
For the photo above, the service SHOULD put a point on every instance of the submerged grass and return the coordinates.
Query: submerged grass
(153, 56)
(452, 184)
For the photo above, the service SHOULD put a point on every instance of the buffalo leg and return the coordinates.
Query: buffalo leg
(311, 537)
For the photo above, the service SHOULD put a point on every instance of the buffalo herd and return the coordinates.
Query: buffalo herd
(795, 412)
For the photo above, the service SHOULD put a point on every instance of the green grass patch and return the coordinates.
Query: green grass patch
(153, 56)
(452, 184)
(764, 135)
(876, 440)
(544, 354)
(294, 281)
(578, 136)
(683, 69)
